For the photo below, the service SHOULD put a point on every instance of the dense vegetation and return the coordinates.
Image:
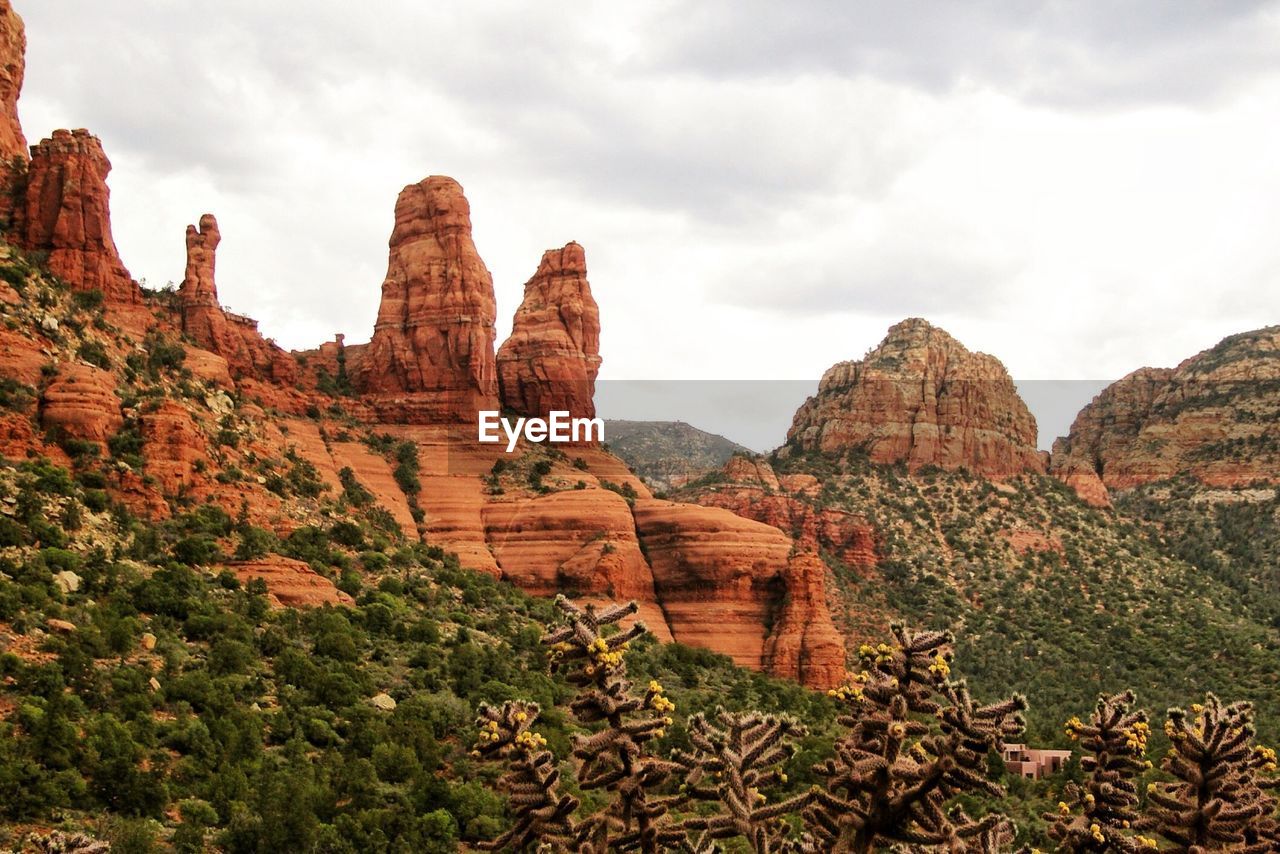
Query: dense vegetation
(1047, 595)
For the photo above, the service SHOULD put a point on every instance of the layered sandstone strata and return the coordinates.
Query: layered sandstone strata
(722, 580)
(13, 63)
(921, 398)
(431, 357)
(64, 209)
(233, 337)
(80, 402)
(290, 583)
(1214, 418)
(751, 489)
(551, 360)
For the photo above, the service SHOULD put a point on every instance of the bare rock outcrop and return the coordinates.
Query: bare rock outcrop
(64, 209)
(551, 360)
(722, 580)
(290, 583)
(921, 398)
(1214, 418)
(80, 402)
(13, 64)
(753, 490)
(233, 337)
(431, 358)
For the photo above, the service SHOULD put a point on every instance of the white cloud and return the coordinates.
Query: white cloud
(1076, 188)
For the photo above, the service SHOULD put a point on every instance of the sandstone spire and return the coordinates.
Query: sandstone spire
(65, 210)
(431, 357)
(551, 360)
(13, 50)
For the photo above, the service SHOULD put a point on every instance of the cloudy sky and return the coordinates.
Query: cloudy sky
(762, 187)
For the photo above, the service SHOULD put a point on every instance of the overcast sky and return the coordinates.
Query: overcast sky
(762, 188)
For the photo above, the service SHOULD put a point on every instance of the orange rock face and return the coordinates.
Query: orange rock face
(13, 63)
(431, 357)
(233, 337)
(65, 210)
(81, 402)
(551, 360)
(921, 398)
(290, 583)
(173, 443)
(752, 490)
(1214, 417)
(579, 542)
(722, 579)
(805, 644)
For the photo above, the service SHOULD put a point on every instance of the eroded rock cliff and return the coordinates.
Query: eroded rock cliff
(431, 357)
(13, 64)
(921, 398)
(1213, 417)
(551, 360)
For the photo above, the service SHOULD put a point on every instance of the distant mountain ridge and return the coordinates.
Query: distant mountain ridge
(668, 454)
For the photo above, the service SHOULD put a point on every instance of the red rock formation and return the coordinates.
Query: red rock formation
(233, 337)
(290, 583)
(921, 398)
(805, 644)
(22, 355)
(551, 360)
(1214, 417)
(13, 62)
(579, 542)
(752, 490)
(65, 211)
(431, 357)
(722, 579)
(172, 444)
(81, 403)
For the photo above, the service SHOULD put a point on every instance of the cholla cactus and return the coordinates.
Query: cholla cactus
(1100, 815)
(1217, 802)
(893, 775)
(543, 814)
(615, 758)
(734, 764)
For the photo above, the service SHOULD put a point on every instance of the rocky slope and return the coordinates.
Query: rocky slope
(921, 398)
(551, 360)
(1213, 417)
(668, 454)
(213, 417)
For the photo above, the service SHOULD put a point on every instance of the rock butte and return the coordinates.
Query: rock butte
(1215, 417)
(551, 360)
(921, 398)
